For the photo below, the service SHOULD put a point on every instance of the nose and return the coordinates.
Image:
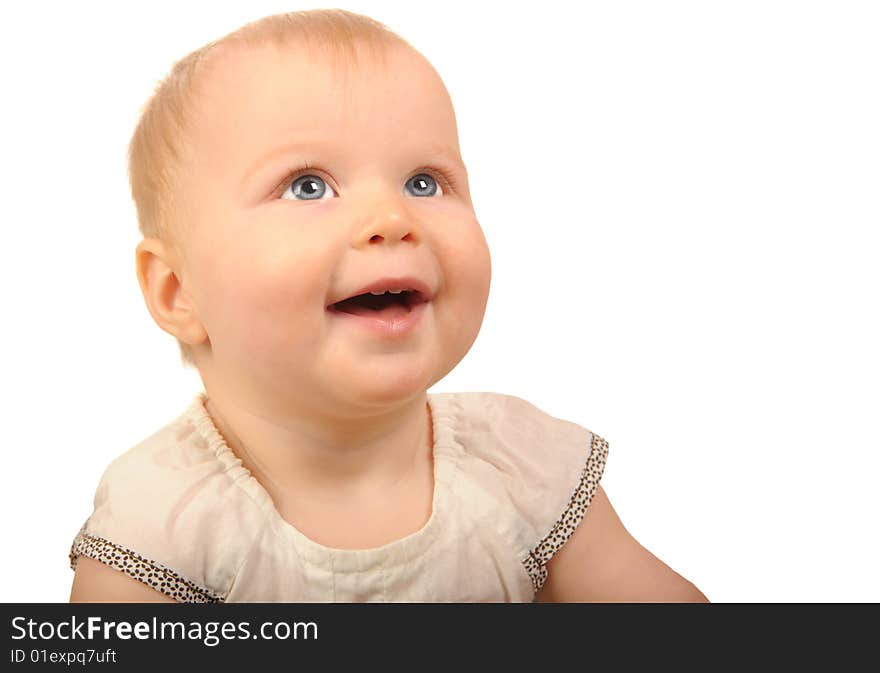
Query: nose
(388, 223)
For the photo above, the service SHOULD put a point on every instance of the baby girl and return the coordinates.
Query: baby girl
(310, 241)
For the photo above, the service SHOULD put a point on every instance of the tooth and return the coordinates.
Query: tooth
(377, 292)
(395, 291)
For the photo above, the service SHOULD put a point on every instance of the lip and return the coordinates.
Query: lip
(424, 292)
(392, 328)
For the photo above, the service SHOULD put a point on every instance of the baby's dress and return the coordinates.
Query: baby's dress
(180, 513)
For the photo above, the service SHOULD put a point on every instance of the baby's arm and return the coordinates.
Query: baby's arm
(602, 563)
(95, 582)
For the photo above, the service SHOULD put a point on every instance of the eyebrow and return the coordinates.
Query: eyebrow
(436, 152)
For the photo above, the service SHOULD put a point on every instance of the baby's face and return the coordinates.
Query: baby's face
(268, 250)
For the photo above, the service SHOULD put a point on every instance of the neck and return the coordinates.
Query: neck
(299, 455)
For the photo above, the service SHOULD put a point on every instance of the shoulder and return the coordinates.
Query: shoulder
(540, 472)
(169, 513)
(521, 441)
(511, 418)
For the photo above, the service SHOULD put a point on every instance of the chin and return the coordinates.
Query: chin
(389, 385)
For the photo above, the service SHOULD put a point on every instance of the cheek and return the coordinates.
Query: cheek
(265, 300)
(467, 265)
(467, 274)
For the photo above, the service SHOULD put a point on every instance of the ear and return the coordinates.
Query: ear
(158, 271)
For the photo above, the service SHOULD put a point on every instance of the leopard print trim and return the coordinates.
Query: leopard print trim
(536, 562)
(151, 573)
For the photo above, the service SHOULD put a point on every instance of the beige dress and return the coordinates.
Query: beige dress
(180, 513)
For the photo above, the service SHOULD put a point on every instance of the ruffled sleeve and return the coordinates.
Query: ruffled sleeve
(542, 470)
(572, 514)
(152, 573)
(169, 514)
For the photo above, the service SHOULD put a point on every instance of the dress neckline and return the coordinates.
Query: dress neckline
(446, 450)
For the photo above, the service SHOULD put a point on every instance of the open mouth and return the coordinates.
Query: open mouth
(389, 303)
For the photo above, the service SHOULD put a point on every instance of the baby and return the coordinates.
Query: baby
(310, 241)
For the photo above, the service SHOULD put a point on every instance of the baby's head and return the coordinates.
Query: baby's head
(287, 167)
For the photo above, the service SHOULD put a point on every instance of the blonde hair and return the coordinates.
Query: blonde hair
(158, 148)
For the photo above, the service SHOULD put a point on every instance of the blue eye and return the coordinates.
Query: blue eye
(423, 185)
(308, 188)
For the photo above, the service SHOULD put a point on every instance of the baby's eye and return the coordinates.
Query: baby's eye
(307, 188)
(424, 185)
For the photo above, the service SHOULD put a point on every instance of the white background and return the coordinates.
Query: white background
(681, 201)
